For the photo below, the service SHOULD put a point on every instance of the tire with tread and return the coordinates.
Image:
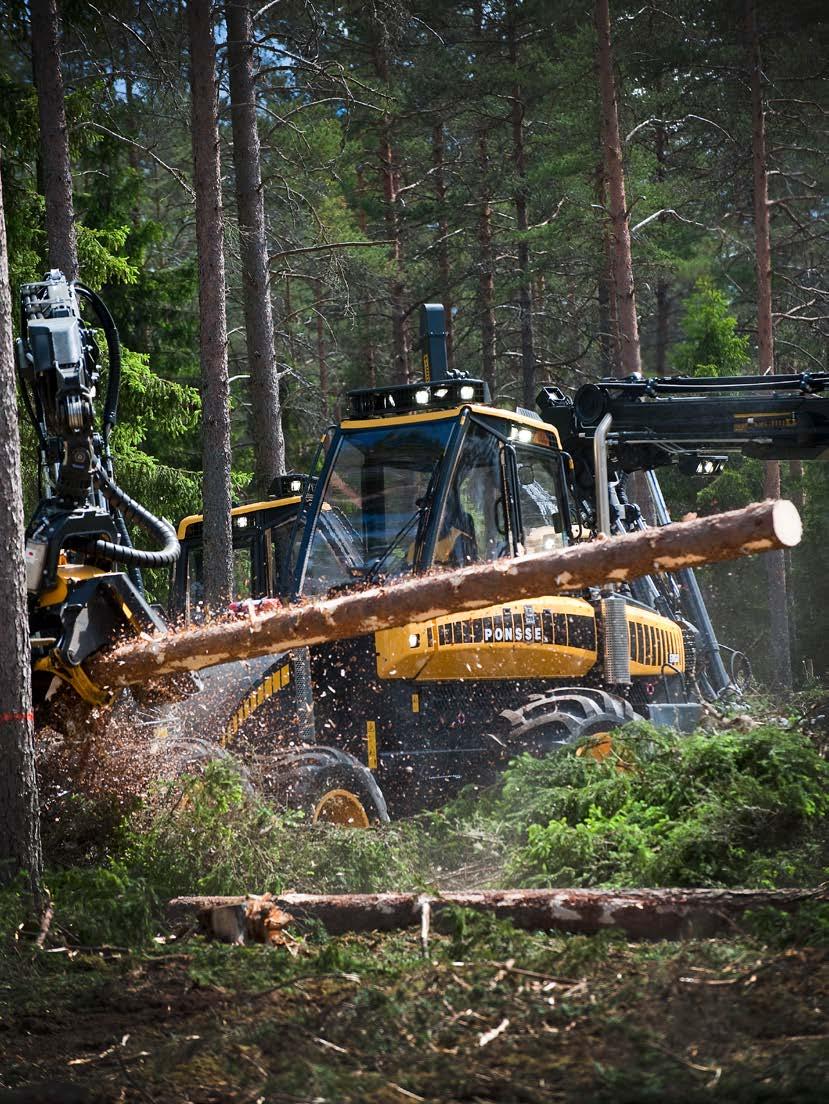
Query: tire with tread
(564, 716)
(309, 776)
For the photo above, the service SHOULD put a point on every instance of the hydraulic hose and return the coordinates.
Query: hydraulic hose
(134, 511)
(110, 413)
(133, 570)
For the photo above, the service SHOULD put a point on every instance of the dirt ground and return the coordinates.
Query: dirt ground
(492, 1015)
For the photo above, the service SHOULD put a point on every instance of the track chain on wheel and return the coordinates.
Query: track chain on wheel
(564, 716)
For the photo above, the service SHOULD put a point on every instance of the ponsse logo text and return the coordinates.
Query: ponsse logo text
(530, 627)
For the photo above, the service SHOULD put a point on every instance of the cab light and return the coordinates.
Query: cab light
(296, 485)
(414, 640)
(467, 393)
(421, 398)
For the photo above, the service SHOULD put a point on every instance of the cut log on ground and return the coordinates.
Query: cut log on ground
(638, 913)
(272, 628)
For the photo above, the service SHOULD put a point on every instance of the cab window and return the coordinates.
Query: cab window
(243, 586)
(538, 497)
(472, 524)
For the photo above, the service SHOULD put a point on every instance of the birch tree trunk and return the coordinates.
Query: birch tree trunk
(19, 822)
(266, 409)
(781, 657)
(215, 391)
(625, 295)
(54, 138)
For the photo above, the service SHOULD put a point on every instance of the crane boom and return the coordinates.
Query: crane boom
(657, 420)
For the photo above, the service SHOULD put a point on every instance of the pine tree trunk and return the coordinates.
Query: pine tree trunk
(438, 150)
(486, 266)
(325, 391)
(19, 820)
(631, 360)
(389, 173)
(525, 298)
(367, 330)
(608, 322)
(215, 391)
(645, 914)
(781, 657)
(266, 410)
(54, 139)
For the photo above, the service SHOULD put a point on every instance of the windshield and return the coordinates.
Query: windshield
(377, 488)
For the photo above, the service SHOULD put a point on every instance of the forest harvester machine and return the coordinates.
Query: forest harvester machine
(422, 476)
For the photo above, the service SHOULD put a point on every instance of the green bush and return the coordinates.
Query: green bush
(710, 809)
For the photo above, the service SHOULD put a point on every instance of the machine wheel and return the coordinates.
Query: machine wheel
(566, 716)
(331, 787)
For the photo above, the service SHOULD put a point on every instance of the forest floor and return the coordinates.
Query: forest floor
(495, 1015)
(111, 1009)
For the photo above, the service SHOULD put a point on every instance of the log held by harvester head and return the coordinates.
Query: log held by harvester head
(760, 527)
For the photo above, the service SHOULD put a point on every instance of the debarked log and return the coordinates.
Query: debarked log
(272, 627)
(638, 913)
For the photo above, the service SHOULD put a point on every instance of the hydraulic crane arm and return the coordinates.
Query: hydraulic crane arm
(656, 421)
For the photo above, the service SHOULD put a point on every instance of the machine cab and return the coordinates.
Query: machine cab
(429, 475)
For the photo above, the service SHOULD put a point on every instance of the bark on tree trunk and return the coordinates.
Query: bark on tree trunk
(525, 298)
(388, 169)
(486, 270)
(54, 139)
(606, 295)
(323, 363)
(266, 409)
(781, 655)
(639, 913)
(438, 150)
(215, 391)
(273, 627)
(367, 330)
(19, 820)
(614, 172)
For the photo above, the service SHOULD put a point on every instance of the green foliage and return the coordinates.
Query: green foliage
(729, 808)
(711, 809)
(712, 346)
(100, 256)
(809, 926)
